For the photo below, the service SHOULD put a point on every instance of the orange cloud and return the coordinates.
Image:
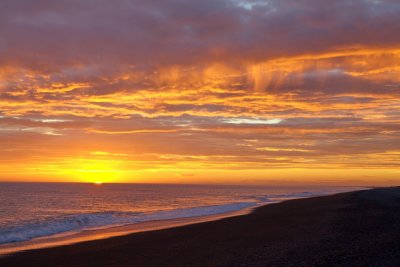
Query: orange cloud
(223, 89)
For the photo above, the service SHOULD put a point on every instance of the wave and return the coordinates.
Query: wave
(88, 221)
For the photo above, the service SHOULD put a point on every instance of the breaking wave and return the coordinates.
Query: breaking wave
(88, 221)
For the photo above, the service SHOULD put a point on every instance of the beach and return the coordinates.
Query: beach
(360, 228)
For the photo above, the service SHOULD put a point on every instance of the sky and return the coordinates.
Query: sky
(211, 91)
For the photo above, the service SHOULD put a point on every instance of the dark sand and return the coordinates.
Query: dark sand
(349, 229)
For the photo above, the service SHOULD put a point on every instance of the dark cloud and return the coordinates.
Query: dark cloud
(55, 34)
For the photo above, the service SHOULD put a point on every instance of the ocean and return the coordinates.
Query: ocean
(36, 210)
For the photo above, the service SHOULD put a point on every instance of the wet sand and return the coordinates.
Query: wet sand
(349, 229)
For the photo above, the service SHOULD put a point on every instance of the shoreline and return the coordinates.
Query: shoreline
(71, 238)
(358, 228)
(76, 237)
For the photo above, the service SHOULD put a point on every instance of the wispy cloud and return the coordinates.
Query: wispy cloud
(200, 85)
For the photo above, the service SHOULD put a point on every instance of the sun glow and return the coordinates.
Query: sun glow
(97, 171)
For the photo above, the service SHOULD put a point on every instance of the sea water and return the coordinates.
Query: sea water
(34, 210)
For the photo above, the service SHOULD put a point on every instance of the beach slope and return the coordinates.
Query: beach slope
(350, 229)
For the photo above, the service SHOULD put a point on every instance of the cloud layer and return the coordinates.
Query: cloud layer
(199, 85)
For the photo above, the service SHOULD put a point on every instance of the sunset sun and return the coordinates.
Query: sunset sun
(93, 170)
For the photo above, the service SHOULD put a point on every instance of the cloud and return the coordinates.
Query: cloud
(221, 84)
(252, 121)
(43, 34)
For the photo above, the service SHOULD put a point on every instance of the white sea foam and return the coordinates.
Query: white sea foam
(80, 222)
(57, 203)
